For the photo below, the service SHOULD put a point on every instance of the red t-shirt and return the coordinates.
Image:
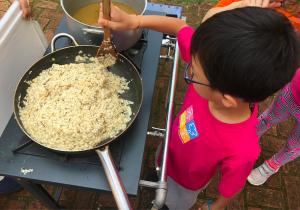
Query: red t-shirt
(200, 144)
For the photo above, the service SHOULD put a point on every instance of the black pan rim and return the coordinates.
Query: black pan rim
(104, 142)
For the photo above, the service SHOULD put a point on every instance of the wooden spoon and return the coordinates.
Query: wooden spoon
(106, 47)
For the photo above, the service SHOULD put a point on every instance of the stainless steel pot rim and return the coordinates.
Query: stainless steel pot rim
(98, 27)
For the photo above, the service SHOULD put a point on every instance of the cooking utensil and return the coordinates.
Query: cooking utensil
(123, 67)
(86, 34)
(106, 47)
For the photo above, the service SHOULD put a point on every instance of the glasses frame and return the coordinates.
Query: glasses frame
(190, 80)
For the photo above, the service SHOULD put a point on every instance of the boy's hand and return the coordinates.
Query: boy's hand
(120, 20)
(260, 3)
(26, 11)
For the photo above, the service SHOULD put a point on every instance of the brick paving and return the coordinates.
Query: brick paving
(281, 192)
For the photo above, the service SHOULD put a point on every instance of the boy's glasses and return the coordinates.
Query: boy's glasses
(189, 74)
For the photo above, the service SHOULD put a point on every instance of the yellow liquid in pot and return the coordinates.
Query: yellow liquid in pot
(89, 14)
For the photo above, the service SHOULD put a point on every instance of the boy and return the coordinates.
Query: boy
(236, 58)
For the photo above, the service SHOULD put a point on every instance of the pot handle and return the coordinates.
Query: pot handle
(92, 31)
(114, 179)
(57, 36)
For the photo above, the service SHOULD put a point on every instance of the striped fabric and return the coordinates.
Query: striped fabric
(283, 107)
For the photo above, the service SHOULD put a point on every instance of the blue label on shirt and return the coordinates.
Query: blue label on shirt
(192, 130)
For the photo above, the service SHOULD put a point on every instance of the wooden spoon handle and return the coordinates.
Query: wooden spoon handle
(106, 5)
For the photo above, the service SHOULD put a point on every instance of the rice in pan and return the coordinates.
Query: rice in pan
(75, 106)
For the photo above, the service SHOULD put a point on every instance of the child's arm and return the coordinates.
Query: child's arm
(242, 3)
(234, 173)
(123, 21)
(24, 4)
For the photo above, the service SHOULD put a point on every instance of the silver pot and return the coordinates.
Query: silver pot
(92, 35)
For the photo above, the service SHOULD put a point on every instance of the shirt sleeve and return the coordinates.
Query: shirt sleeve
(184, 37)
(223, 3)
(234, 177)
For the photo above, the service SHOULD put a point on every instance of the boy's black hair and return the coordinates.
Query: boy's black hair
(247, 52)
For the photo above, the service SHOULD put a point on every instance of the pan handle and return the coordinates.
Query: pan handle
(114, 179)
(57, 36)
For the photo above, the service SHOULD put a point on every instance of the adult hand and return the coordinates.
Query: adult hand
(26, 11)
(261, 3)
(242, 3)
(120, 20)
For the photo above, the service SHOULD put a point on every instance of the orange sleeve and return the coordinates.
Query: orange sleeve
(223, 3)
(294, 20)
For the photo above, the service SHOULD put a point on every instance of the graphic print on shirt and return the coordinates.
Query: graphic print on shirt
(187, 127)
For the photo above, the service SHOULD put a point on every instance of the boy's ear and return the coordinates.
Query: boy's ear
(229, 101)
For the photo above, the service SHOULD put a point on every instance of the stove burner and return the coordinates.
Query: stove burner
(29, 147)
(136, 52)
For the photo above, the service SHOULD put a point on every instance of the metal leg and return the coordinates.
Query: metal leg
(40, 193)
(161, 185)
(161, 192)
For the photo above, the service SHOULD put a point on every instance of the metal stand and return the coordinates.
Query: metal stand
(40, 193)
(50, 168)
(161, 185)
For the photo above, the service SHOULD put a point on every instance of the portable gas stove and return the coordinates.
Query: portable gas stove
(30, 164)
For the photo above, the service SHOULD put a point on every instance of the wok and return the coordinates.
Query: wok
(123, 67)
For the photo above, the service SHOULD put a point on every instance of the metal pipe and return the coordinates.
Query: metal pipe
(170, 112)
(160, 198)
(159, 129)
(161, 192)
(114, 179)
(166, 57)
(156, 134)
(145, 183)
